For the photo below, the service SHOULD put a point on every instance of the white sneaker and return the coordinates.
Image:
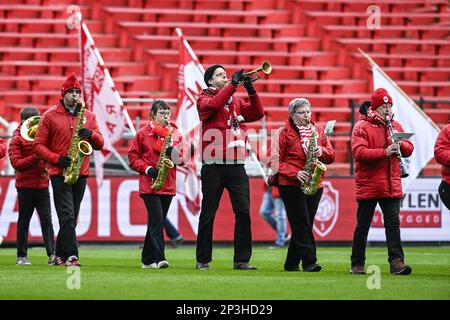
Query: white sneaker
(150, 266)
(163, 264)
(23, 261)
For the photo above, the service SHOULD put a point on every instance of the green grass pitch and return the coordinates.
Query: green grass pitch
(115, 273)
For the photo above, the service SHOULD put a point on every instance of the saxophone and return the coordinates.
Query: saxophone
(164, 164)
(77, 151)
(313, 167)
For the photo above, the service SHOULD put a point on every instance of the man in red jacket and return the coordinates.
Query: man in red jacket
(223, 153)
(143, 155)
(442, 155)
(52, 144)
(32, 190)
(378, 181)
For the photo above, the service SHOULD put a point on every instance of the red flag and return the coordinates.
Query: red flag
(102, 98)
(190, 86)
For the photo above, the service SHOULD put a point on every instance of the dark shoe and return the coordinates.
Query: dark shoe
(398, 267)
(357, 270)
(292, 268)
(202, 266)
(176, 242)
(312, 268)
(243, 266)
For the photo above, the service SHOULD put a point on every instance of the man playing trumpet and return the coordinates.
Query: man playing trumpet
(55, 134)
(223, 153)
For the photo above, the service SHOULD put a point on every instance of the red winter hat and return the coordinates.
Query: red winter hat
(379, 97)
(70, 83)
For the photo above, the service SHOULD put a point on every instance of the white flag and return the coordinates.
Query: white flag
(190, 86)
(102, 98)
(412, 120)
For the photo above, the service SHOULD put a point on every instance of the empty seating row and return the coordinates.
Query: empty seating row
(362, 5)
(43, 39)
(287, 44)
(48, 82)
(24, 67)
(191, 15)
(435, 31)
(273, 30)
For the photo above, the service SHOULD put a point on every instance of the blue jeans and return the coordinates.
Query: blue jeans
(272, 210)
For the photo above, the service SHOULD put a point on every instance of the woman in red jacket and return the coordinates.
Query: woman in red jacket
(143, 156)
(289, 162)
(32, 190)
(378, 181)
(442, 155)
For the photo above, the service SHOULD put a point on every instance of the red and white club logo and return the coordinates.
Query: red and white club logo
(328, 211)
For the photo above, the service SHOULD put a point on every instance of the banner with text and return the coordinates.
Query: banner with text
(115, 212)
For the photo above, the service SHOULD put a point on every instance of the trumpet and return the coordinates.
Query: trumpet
(253, 75)
(29, 128)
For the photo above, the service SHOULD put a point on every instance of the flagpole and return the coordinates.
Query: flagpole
(111, 82)
(373, 63)
(189, 49)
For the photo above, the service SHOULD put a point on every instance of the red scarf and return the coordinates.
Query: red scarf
(305, 135)
(161, 132)
(375, 116)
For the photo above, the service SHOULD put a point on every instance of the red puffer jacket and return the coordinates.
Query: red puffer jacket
(291, 157)
(215, 122)
(2, 148)
(377, 176)
(30, 172)
(141, 155)
(55, 134)
(442, 152)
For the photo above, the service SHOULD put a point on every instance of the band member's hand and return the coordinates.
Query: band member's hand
(64, 162)
(84, 133)
(318, 151)
(303, 176)
(152, 172)
(393, 149)
(236, 77)
(249, 85)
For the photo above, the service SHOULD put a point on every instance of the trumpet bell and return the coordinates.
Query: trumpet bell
(266, 67)
(29, 128)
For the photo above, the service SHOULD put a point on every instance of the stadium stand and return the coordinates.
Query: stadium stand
(310, 43)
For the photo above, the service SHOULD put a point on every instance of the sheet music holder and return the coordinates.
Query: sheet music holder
(329, 128)
(397, 136)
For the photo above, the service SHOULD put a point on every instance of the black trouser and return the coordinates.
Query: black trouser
(390, 208)
(157, 208)
(28, 200)
(67, 199)
(444, 193)
(300, 210)
(215, 178)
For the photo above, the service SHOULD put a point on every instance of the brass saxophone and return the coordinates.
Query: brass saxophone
(77, 151)
(313, 167)
(164, 164)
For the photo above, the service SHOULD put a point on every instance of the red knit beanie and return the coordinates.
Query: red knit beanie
(379, 97)
(70, 83)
